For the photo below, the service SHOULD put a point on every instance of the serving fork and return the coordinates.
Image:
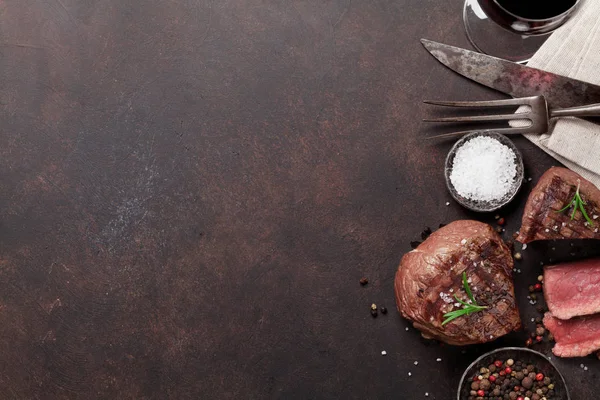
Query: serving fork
(538, 115)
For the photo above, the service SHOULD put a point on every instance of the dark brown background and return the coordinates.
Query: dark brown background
(191, 190)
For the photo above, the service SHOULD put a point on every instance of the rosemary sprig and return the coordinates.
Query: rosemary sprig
(468, 308)
(578, 204)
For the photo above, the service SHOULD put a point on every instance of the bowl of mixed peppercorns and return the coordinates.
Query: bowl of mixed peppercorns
(512, 373)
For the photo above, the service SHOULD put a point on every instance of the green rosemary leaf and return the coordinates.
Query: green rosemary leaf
(467, 288)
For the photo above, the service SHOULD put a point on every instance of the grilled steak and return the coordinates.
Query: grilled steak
(542, 218)
(573, 289)
(576, 337)
(429, 277)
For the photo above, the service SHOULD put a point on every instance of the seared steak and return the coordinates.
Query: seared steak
(576, 337)
(573, 289)
(555, 190)
(429, 277)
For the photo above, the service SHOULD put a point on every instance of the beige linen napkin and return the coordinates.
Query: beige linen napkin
(574, 51)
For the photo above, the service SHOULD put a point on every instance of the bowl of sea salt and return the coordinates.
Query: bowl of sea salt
(484, 171)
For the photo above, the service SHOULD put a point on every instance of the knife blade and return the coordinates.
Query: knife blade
(514, 79)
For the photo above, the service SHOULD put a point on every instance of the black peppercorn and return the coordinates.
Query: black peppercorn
(383, 310)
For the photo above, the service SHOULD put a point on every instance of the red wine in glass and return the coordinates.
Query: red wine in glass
(514, 29)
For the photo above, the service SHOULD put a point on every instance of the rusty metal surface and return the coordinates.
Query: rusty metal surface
(515, 79)
(191, 191)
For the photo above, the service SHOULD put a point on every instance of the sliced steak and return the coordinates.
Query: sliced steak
(429, 277)
(554, 191)
(576, 337)
(573, 289)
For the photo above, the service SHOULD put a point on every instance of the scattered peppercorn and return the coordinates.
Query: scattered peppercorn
(425, 234)
(501, 221)
(538, 286)
(518, 256)
(374, 310)
(383, 310)
(540, 330)
(363, 281)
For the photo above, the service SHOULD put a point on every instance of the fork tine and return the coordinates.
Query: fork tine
(474, 104)
(476, 118)
(504, 131)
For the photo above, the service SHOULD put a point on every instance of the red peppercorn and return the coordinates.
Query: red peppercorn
(492, 378)
(517, 388)
(498, 363)
(520, 398)
(539, 377)
(475, 378)
(501, 221)
(507, 370)
(538, 286)
(528, 342)
(501, 373)
(480, 393)
(538, 339)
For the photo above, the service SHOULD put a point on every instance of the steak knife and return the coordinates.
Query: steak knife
(514, 79)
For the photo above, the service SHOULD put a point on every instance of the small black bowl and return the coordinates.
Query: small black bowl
(522, 354)
(485, 206)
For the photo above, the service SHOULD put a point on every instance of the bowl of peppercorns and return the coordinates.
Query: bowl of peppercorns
(512, 373)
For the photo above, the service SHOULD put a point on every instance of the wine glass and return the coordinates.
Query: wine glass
(514, 29)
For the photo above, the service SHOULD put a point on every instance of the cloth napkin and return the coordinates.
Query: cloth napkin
(574, 51)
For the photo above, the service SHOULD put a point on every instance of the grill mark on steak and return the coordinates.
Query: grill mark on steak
(555, 189)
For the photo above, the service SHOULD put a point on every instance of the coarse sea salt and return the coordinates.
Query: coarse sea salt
(483, 169)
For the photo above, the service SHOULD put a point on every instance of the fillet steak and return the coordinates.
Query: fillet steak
(573, 289)
(576, 337)
(430, 276)
(542, 218)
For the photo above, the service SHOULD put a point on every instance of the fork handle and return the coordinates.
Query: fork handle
(592, 110)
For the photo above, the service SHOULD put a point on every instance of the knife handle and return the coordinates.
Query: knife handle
(592, 110)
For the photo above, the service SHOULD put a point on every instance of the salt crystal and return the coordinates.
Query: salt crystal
(416, 363)
(547, 230)
(447, 203)
(581, 365)
(483, 169)
(426, 394)
(524, 247)
(464, 241)
(406, 329)
(409, 374)
(529, 179)
(595, 216)
(438, 359)
(585, 368)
